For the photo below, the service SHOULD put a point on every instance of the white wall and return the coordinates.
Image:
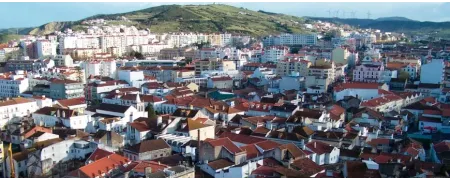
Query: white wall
(364, 94)
(432, 72)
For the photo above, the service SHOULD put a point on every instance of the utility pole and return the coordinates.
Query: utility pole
(368, 14)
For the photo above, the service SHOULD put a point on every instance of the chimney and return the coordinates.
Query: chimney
(131, 117)
(315, 144)
(199, 149)
(159, 120)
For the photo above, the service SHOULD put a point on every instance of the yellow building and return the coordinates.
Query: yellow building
(286, 67)
(213, 64)
(340, 55)
(182, 74)
(215, 39)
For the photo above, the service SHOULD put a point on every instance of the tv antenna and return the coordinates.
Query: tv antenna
(353, 14)
(329, 12)
(368, 14)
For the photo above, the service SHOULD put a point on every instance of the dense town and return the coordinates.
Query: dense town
(117, 101)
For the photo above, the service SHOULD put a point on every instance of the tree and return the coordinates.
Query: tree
(188, 60)
(151, 112)
(403, 75)
(294, 50)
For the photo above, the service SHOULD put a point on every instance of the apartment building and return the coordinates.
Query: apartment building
(287, 67)
(66, 89)
(213, 64)
(105, 68)
(13, 84)
(274, 54)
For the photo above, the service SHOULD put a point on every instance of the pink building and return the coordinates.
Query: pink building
(368, 73)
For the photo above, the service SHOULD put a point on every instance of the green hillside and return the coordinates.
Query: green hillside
(4, 38)
(194, 18)
(396, 24)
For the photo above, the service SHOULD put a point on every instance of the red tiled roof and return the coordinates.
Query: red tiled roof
(100, 166)
(378, 141)
(220, 163)
(72, 102)
(358, 169)
(355, 85)
(307, 166)
(155, 166)
(240, 138)
(252, 151)
(264, 171)
(367, 156)
(224, 78)
(379, 101)
(267, 145)
(319, 147)
(98, 154)
(336, 111)
(432, 112)
(140, 126)
(442, 146)
(294, 150)
(226, 143)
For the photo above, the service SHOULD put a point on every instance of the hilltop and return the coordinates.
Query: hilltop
(192, 18)
(394, 18)
(395, 24)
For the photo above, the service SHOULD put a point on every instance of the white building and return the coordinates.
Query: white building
(63, 60)
(323, 153)
(12, 85)
(432, 72)
(51, 116)
(274, 54)
(16, 107)
(134, 77)
(298, 39)
(43, 160)
(362, 91)
(105, 68)
(45, 48)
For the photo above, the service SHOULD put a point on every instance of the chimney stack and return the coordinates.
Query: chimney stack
(199, 148)
(315, 144)
(159, 120)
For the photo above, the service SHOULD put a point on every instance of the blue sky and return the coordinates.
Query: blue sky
(34, 14)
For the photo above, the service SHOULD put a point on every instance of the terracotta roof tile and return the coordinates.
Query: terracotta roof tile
(72, 102)
(226, 143)
(100, 166)
(98, 154)
(355, 85)
(293, 150)
(267, 145)
(244, 139)
(252, 151)
(220, 163)
(319, 147)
